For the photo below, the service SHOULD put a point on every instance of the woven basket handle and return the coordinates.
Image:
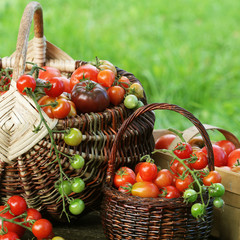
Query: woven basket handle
(32, 11)
(158, 106)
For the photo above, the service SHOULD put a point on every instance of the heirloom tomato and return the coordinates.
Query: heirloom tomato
(49, 73)
(164, 141)
(57, 87)
(145, 189)
(84, 72)
(124, 175)
(137, 90)
(89, 96)
(116, 94)
(212, 177)
(42, 228)
(106, 78)
(124, 82)
(26, 81)
(233, 157)
(226, 145)
(164, 178)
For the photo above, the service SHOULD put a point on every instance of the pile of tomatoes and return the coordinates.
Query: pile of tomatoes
(16, 218)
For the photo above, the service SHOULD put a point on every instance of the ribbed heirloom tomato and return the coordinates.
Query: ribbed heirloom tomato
(106, 78)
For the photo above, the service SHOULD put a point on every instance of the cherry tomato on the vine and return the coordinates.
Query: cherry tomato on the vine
(170, 192)
(32, 214)
(184, 150)
(164, 178)
(42, 228)
(212, 177)
(124, 175)
(57, 87)
(145, 189)
(49, 73)
(124, 82)
(66, 84)
(78, 185)
(76, 206)
(62, 109)
(26, 81)
(216, 190)
(17, 205)
(9, 236)
(130, 101)
(201, 161)
(106, 78)
(116, 95)
(183, 184)
(190, 195)
(73, 137)
(136, 89)
(65, 187)
(77, 161)
(218, 202)
(197, 210)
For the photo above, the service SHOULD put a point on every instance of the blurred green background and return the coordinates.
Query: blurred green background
(185, 52)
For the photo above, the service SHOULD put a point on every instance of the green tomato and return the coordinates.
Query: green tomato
(140, 104)
(65, 187)
(130, 101)
(78, 185)
(218, 202)
(197, 210)
(190, 195)
(73, 137)
(76, 206)
(216, 190)
(77, 161)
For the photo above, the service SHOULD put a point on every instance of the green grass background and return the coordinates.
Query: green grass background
(184, 52)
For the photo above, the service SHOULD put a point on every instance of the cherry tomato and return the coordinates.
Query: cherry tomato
(139, 104)
(9, 236)
(65, 187)
(106, 78)
(32, 214)
(164, 141)
(104, 64)
(66, 84)
(216, 190)
(78, 185)
(174, 165)
(77, 161)
(136, 169)
(116, 95)
(218, 202)
(49, 73)
(170, 192)
(62, 109)
(4, 83)
(136, 89)
(26, 81)
(130, 101)
(48, 109)
(148, 171)
(86, 71)
(89, 96)
(164, 178)
(185, 150)
(76, 206)
(201, 161)
(197, 210)
(145, 189)
(42, 228)
(183, 184)
(126, 188)
(124, 82)
(226, 145)
(181, 168)
(73, 137)
(57, 87)
(190, 195)
(124, 175)
(233, 157)
(17, 205)
(212, 177)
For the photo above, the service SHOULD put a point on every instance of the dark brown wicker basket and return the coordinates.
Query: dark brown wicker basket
(131, 217)
(30, 174)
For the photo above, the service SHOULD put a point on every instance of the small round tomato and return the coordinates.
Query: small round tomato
(148, 171)
(57, 87)
(9, 236)
(66, 84)
(84, 72)
(76, 206)
(73, 137)
(126, 188)
(164, 141)
(226, 145)
(218, 202)
(190, 195)
(136, 89)
(130, 101)
(220, 156)
(78, 185)
(124, 82)
(65, 187)
(139, 104)
(197, 210)
(47, 109)
(42, 228)
(233, 157)
(26, 81)
(170, 192)
(216, 190)
(183, 184)
(174, 165)
(105, 64)
(62, 109)
(201, 161)
(17, 205)
(164, 178)
(145, 189)
(124, 175)
(183, 150)
(32, 214)
(106, 78)
(49, 72)
(116, 95)
(212, 177)
(136, 169)
(182, 169)
(77, 161)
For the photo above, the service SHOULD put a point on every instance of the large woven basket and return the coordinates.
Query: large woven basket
(25, 156)
(131, 217)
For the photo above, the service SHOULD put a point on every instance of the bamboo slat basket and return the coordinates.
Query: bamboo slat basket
(131, 217)
(25, 156)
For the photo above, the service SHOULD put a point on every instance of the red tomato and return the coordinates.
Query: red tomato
(57, 87)
(62, 109)
(126, 188)
(32, 214)
(181, 168)
(47, 100)
(136, 169)
(183, 184)
(124, 175)
(220, 156)
(201, 161)
(212, 177)
(124, 82)
(49, 73)
(66, 83)
(226, 145)
(86, 71)
(148, 171)
(17, 205)
(164, 178)
(164, 141)
(185, 152)
(116, 95)
(170, 192)
(174, 165)
(9, 236)
(106, 78)
(233, 157)
(42, 228)
(138, 178)
(145, 189)
(26, 81)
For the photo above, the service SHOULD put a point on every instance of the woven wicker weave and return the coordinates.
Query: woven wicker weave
(131, 217)
(25, 156)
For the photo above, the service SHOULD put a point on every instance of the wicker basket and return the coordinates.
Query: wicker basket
(25, 156)
(131, 217)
